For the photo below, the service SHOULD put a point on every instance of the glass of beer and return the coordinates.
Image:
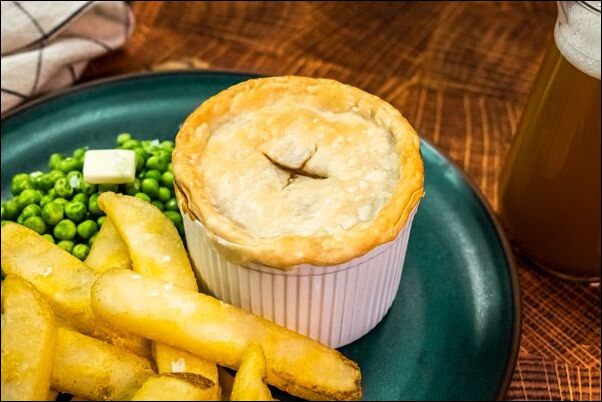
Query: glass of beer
(550, 185)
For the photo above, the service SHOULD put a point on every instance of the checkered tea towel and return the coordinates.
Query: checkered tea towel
(47, 44)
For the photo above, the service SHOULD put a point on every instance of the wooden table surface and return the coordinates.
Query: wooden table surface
(459, 71)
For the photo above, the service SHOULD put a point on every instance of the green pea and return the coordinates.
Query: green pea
(150, 145)
(68, 164)
(31, 210)
(93, 206)
(172, 205)
(51, 192)
(140, 161)
(167, 179)
(142, 152)
(36, 224)
(142, 196)
(4, 222)
(156, 162)
(30, 193)
(123, 138)
(88, 188)
(87, 228)
(54, 161)
(101, 220)
(34, 175)
(21, 219)
(108, 187)
(141, 157)
(158, 204)
(150, 187)
(76, 211)
(80, 197)
(20, 183)
(61, 201)
(65, 230)
(63, 188)
(12, 209)
(81, 251)
(41, 193)
(130, 144)
(52, 213)
(66, 245)
(48, 237)
(169, 166)
(152, 174)
(133, 187)
(46, 199)
(44, 182)
(54, 175)
(79, 153)
(3, 211)
(174, 216)
(164, 155)
(75, 179)
(167, 145)
(164, 194)
(28, 196)
(91, 239)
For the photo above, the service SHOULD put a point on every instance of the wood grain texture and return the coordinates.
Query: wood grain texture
(459, 71)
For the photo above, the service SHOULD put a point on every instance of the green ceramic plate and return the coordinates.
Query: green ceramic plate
(453, 331)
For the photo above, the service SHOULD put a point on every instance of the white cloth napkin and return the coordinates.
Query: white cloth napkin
(46, 45)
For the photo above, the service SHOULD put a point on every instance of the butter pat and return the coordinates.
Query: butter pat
(109, 166)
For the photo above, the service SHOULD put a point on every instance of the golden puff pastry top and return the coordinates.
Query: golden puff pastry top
(291, 170)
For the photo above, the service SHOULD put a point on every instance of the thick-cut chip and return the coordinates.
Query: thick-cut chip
(219, 332)
(159, 255)
(152, 239)
(249, 383)
(28, 342)
(175, 386)
(64, 280)
(95, 370)
(173, 360)
(108, 251)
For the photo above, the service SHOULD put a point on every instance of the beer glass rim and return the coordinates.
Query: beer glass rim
(589, 6)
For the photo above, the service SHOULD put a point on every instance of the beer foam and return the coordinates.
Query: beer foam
(578, 38)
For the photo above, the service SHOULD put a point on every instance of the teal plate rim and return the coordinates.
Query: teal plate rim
(506, 248)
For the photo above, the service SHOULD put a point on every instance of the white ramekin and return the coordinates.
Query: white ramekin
(334, 305)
